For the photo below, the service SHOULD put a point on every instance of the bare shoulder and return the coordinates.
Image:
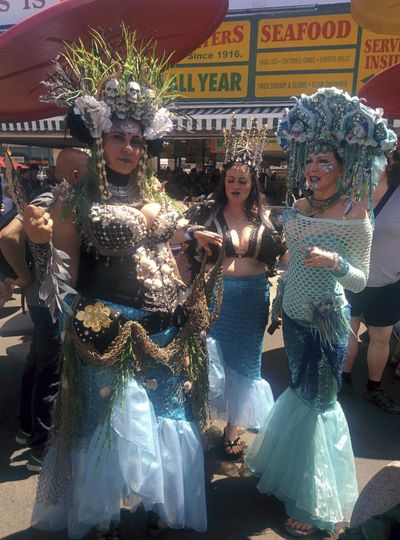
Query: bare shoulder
(301, 205)
(358, 210)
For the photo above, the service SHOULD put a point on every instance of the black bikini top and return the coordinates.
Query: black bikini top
(265, 243)
(254, 244)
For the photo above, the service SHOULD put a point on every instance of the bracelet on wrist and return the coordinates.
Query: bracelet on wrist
(189, 233)
(340, 266)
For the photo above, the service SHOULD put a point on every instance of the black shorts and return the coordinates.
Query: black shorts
(380, 306)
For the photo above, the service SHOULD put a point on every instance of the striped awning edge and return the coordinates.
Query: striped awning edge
(211, 119)
(219, 118)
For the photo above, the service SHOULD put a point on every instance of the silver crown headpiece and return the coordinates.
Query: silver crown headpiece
(245, 145)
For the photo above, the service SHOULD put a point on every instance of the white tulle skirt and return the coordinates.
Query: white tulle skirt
(233, 397)
(139, 458)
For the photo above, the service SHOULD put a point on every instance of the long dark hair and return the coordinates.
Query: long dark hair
(255, 205)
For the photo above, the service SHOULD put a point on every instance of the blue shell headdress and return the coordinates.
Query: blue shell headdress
(329, 119)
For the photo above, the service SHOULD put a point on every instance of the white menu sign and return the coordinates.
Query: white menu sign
(13, 11)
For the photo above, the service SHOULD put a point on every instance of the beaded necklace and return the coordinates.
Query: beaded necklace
(126, 194)
(318, 206)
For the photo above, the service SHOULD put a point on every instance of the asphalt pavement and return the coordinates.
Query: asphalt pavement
(236, 510)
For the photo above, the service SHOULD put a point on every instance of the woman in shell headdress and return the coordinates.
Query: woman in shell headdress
(303, 453)
(134, 371)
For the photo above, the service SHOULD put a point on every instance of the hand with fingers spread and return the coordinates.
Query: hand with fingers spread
(38, 224)
(315, 257)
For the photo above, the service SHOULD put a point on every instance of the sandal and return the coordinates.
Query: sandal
(298, 533)
(155, 526)
(228, 443)
(381, 399)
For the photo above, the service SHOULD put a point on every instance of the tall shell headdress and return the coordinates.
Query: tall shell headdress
(331, 118)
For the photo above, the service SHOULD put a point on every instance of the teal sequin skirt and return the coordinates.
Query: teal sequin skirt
(238, 393)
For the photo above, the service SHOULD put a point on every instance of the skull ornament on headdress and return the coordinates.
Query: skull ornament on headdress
(133, 92)
(330, 120)
(111, 91)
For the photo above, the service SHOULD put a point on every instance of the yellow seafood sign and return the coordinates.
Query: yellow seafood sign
(311, 31)
(230, 42)
(304, 54)
(229, 46)
(215, 82)
(257, 57)
(377, 52)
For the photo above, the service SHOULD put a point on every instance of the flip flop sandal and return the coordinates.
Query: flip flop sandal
(228, 443)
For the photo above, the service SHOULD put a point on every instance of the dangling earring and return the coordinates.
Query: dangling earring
(101, 169)
(141, 172)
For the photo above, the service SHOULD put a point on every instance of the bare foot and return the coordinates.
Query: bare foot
(299, 528)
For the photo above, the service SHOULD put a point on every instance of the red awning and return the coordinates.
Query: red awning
(16, 164)
(383, 90)
(27, 49)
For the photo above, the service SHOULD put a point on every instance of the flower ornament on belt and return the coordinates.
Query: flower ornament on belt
(95, 317)
(104, 84)
(332, 120)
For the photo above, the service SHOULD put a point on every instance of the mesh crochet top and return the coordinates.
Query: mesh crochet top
(350, 239)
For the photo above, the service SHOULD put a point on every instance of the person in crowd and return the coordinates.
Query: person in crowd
(134, 373)
(395, 358)
(39, 382)
(7, 204)
(41, 371)
(31, 183)
(303, 453)
(252, 246)
(7, 274)
(71, 165)
(379, 302)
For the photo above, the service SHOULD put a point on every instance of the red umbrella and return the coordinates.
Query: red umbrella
(383, 90)
(15, 163)
(26, 49)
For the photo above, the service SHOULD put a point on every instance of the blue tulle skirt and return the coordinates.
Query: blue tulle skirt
(303, 453)
(238, 393)
(135, 455)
